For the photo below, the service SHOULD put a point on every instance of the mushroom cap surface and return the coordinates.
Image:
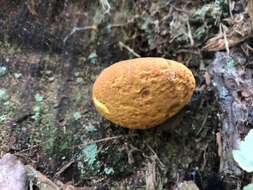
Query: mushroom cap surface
(143, 92)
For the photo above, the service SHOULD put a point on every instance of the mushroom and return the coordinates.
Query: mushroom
(143, 92)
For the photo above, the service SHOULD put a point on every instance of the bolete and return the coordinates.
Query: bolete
(143, 92)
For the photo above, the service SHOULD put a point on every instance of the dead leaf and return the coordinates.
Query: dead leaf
(31, 7)
(239, 31)
(218, 142)
(250, 11)
(151, 175)
(71, 187)
(207, 78)
(187, 185)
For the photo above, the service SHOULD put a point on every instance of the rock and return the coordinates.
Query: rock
(12, 173)
(187, 185)
(143, 92)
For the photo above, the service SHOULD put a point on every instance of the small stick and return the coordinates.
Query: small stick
(76, 29)
(190, 33)
(122, 45)
(225, 38)
(105, 139)
(66, 166)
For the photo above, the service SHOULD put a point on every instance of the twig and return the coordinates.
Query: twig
(202, 125)
(231, 6)
(66, 166)
(156, 156)
(181, 10)
(77, 29)
(225, 38)
(190, 33)
(106, 6)
(191, 51)
(27, 149)
(122, 45)
(249, 47)
(105, 139)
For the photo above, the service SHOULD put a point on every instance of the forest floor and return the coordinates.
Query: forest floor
(51, 52)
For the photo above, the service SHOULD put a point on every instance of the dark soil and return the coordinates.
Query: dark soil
(53, 50)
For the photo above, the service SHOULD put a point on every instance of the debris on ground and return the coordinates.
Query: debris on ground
(12, 173)
(187, 185)
(51, 53)
(233, 84)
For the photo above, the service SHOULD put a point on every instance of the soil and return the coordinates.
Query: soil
(50, 54)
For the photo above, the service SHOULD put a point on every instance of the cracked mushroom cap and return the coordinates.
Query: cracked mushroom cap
(143, 92)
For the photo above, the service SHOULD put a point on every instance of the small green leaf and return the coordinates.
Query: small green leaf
(93, 57)
(80, 80)
(3, 94)
(36, 108)
(2, 118)
(77, 115)
(108, 171)
(248, 187)
(243, 155)
(38, 98)
(89, 127)
(90, 153)
(17, 75)
(3, 70)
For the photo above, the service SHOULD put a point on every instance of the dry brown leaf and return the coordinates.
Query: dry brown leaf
(237, 33)
(218, 43)
(187, 185)
(151, 176)
(219, 143)
(71, 187)
(250, 11)
(31, 7)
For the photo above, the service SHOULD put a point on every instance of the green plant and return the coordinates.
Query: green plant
(89, 128)
(3, 70)
(108, 170)
(90, 153)
(17, 75)
(93, 57)
(37, 108)
(2, 118)
(248, 187)
(243, 156)
(77, 116)
(88, 165)
(3, 94)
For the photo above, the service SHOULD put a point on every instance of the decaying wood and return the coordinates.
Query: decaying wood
(250, 11)
(233, 85)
